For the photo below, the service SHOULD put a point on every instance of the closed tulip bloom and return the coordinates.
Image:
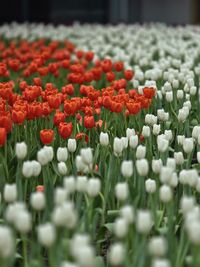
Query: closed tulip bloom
(133, 141)
(196, 132)
(117, 254)
(46, 136)
(62, 168)
(130, 132)
(142, 167)
(120, 227)
(156, 165)
(146, 131)
(89, 122)
(27, 169)
(10, 192)
(81, 183)
(165, 193)
(162, 143)
(150, 186)
(6, 242)
(46, 234)
(178, 156)
(42, 157)
(127, 213)
(157, 246)
(38, 201)
(188, 145)
(70, 184)
(71, 145)
(144, 221)
(36, 168)
(23, 222)
(141, 152)
(118, 146)
(93, 187)
(156, 129)
(121, 191)
(104, 139)
(127, 168)
(62, 154)
(21, 150)
(65, 129)
(86, 155)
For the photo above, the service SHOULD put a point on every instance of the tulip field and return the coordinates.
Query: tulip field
(99, 145)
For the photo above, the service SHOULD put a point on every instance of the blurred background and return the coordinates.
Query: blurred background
(101, 11)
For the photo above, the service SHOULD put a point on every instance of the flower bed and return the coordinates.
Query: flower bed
(99, 146)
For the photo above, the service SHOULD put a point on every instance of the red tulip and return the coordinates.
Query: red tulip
(65, 129)
(3, 136)
(18, 116)
(46, 136)
(89, 122)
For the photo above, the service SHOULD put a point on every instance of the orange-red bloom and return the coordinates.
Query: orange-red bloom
(65, 129)
(3, 136)
(46, 136)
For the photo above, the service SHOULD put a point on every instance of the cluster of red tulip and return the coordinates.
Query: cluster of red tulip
(54, 80)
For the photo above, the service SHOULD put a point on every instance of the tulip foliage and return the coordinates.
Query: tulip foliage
(99, 146)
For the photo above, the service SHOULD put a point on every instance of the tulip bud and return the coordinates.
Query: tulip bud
(27, 169)
(86, 155)
(156, 129)
(21, 150)
(36, 168)
(70, 184)
(133, 141)
(188, 145)
(116, 254)
(127, 168)
(60, 195)
(120, 227)
(62, 168)
(10, 193)
(118, 146)
(6, 242)
(169, 96)
(165, 193)
(180, 139)
(38, 201)
(23, 222)
(187, 204)
(180, 94)
(196, 132)
(144, 221)
(81, 184)
(71, 145)
(150, 186)
(178, 156)
(141, 152)
(104, 139)
(157, 246)
(93, 187)
(121, 191)
(62, 154)
(162, 143)
(130, 132)
(126, 212)
(46, 234)
(142, 167)
(146, 131)
(157, 165)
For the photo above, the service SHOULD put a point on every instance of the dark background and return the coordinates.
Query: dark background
(101, 11)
